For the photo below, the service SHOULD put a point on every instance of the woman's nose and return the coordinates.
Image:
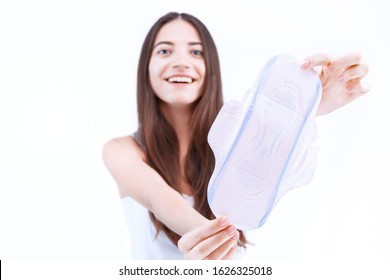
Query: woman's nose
(181, 61)
(181, 66)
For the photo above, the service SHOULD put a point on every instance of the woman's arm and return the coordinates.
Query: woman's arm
(216, 239)
(125, 161)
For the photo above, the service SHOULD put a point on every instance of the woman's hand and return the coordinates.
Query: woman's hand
(340, 79)
(213, 240)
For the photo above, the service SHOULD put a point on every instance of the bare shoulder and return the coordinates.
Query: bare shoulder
(119, 151)
(123, 157)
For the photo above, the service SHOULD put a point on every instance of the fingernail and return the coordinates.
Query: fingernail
(230, 230)
(305, 63)
(330, 68)
(341, 79)
(235, 236)
(223, 221)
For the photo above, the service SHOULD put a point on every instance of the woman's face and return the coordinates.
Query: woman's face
(177, 66)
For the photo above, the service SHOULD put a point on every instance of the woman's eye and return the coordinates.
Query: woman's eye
(197, 52)
(163, 51)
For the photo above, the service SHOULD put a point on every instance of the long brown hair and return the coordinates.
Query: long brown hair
(159, 137)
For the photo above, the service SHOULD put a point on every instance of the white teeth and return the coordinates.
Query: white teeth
(180, 80)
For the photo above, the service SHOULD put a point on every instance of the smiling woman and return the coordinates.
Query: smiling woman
(163, 170)
(179, 94)
(177, 67)
(68, 71)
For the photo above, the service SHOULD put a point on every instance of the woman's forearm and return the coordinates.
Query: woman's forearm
(172, 210)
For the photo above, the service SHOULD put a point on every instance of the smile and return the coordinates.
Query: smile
(180, 79)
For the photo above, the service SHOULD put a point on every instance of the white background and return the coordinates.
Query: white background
(67, 85)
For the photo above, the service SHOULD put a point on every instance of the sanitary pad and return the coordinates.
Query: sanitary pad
(264, 145)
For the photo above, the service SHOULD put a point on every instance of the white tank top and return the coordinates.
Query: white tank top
(142, 232)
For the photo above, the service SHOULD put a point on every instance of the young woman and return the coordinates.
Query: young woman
(162, 171)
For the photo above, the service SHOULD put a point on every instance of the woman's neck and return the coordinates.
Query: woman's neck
(179, 118)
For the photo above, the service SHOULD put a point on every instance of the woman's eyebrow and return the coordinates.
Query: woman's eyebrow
(195, 43)
(171, 43)
(163, 43)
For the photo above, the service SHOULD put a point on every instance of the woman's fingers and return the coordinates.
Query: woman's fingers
(192, 238)
(338, 65)
(355, 89)
(320, 59)
(224, 252)
(212, 240)
(215, 247)
(230, 253)
(353, 72)
(225, 247)
(346, 61)
(340, 79)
